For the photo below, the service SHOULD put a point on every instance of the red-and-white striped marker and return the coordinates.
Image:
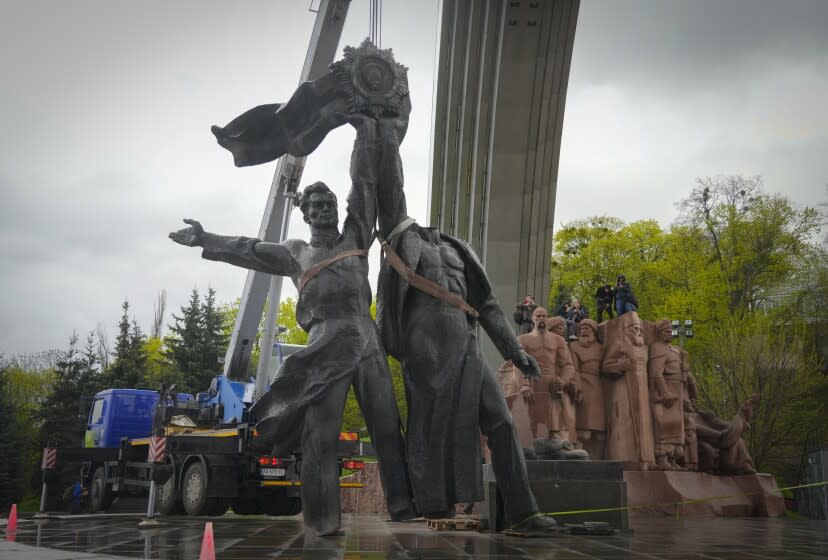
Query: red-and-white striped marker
(157, 449)
(49, 458)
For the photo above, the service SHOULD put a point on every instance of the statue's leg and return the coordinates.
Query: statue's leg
(320, 467)
(375, 394)
(507, 456)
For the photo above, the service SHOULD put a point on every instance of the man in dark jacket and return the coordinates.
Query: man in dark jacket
(603, 301)
(625, 299)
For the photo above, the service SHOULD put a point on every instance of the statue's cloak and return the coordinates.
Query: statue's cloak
(443, 432)
(267, 132)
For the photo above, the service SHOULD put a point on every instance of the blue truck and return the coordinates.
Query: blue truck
(211, 461)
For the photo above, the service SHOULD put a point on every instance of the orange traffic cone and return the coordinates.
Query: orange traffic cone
(11, 526)
(208, 546)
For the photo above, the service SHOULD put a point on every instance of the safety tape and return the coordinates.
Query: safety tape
(680, 503)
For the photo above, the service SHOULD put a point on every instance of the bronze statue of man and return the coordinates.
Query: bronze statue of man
(591, 413)
(432, 292)
(304, 406)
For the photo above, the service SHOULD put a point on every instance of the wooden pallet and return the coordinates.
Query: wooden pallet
(453, 524)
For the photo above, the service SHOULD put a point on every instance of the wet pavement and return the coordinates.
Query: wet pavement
(368, 538)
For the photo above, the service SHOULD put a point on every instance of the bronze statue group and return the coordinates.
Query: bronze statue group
(432, 294)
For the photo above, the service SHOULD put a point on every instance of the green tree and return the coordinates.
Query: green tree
(25, 390)
(757, 240)
(160, 372)
(213, 341)
(758, 354)
(60, 414)
(128, 367)
(184, 343)
(591, 252)
(12, 448)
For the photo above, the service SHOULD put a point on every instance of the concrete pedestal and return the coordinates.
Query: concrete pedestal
(564, 486)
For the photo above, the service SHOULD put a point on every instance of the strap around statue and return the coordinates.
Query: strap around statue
(322, 265)
(423, 284)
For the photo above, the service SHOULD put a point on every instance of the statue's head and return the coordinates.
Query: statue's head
(664, 330)
(557, 325)
(587, 332)
(632, 328)
(540, 318)
(318, 205)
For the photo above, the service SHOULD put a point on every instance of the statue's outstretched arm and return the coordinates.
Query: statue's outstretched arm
(246, 252)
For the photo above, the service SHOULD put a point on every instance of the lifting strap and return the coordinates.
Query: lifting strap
(424, 284)
(322, 265)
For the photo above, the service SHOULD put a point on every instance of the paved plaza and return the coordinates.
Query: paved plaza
(368, 537)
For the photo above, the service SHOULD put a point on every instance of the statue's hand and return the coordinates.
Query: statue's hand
(572, 389)
(192, 236)
(365, 125)
(668, 399)
(392, 127)
(526, 364)
(528, 394)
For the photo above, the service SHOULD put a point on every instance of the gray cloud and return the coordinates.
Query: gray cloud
(106, 109)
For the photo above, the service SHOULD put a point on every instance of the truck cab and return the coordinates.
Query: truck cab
(121, 413)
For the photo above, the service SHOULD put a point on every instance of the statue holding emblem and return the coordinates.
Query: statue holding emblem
(432, 293)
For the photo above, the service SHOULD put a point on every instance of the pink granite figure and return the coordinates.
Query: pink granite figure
(629, 430)
(550, 399)
(591, 414)
(721, 448)
(690, 461)
(666, 391)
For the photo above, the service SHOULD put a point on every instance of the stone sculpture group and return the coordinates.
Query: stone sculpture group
(621, 392)
(432, 293)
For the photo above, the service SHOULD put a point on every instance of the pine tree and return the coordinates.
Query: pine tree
(128, 367)
(213, 340)
(185, 343)
(60, 411)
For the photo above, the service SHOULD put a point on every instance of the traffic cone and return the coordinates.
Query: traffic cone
(208, 546)
(11, 526)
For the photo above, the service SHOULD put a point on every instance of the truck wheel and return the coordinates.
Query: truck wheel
(168, 498)
(194, 493)
(194, 489)
(100, 494)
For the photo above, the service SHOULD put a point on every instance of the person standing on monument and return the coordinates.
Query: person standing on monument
(625, 300)
(432, 292)
(553, 396)
(304, 406)
(591, 412)
(629, 429)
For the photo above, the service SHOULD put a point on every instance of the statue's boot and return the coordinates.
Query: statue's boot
(576, 455)
(537, 525)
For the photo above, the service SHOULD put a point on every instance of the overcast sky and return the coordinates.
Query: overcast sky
(106, 107)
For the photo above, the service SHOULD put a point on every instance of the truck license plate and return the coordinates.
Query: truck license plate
(272, 472)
